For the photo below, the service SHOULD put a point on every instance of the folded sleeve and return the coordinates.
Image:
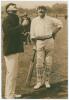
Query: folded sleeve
(32, 30)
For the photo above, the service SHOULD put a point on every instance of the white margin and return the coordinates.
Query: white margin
(0, 50)
(0, 45)
(68, 44)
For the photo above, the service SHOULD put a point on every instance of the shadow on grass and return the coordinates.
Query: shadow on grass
(58, 90)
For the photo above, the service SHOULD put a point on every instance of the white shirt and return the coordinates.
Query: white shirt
(45, 26)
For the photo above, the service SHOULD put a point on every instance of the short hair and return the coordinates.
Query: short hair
(7, 6)
(42, 7)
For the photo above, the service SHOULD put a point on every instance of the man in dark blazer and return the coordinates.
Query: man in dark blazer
(12, 46)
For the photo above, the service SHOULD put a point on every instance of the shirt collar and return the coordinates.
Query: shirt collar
(43, 18)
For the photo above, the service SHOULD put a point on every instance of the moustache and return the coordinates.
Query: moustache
(41, 11)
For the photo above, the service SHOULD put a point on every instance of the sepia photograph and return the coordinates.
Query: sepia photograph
(34, 53)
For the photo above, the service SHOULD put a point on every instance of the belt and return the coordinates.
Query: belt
(46, 38)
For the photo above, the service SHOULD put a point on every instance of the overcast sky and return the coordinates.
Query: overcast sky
(31, 4)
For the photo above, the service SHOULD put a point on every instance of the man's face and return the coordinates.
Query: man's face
(25, 16)
(13, 11)
(41, 13)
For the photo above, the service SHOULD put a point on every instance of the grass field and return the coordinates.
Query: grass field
(59, 68)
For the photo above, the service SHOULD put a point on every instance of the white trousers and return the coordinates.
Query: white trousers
(11, 74)
(45, 50)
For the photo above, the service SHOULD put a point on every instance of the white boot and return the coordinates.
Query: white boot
(38, 85)
(18, 95)
(39, 72)
(47, 84)
(47, 71)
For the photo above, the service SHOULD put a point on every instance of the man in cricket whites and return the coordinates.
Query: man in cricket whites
(43, 33)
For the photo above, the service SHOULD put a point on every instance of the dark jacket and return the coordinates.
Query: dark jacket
(13, 39)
